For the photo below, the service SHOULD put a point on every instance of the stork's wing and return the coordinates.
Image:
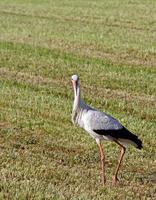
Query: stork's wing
(96, 120)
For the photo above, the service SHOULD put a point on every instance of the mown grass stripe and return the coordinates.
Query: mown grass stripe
(107, 72)
(81, 20)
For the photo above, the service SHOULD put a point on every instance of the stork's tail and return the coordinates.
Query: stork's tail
(138, 143)
(131, 138)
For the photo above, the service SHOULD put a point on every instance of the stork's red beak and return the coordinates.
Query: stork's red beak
(74, 86)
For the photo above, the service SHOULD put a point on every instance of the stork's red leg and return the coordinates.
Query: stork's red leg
(102, 159)
(123, 150)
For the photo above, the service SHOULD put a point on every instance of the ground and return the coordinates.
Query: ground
(111, 45)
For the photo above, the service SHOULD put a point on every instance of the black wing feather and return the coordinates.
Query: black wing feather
(121, 133)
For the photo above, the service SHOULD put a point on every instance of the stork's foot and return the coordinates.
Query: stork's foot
(104, 181)
(115, 180)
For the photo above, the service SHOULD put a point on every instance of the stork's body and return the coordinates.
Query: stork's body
(101, 126)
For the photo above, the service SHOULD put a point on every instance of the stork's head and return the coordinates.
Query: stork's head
(75, 78)
(75, 81)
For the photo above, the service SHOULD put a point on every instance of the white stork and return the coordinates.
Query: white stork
(101, 126)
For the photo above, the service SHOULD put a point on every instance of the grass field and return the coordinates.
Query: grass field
(111, 45)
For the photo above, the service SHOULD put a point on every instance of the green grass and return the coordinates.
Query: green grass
(112, 46)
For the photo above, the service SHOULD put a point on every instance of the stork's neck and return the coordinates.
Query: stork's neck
(77, 103)
(77, 98)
